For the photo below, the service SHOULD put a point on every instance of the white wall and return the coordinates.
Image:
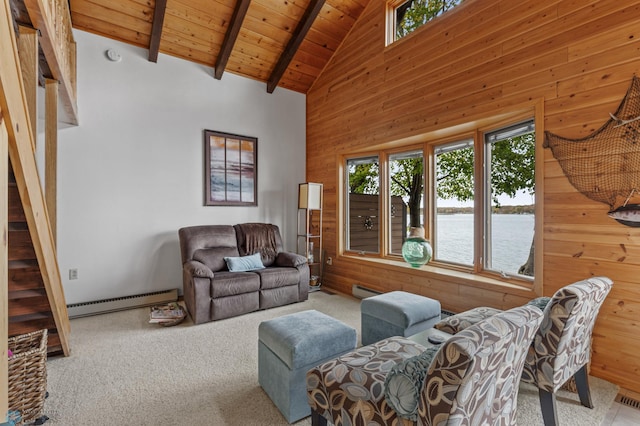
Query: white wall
(131, 174)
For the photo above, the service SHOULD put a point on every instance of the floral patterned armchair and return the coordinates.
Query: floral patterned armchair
(562, 346)
(561, 349)
(472, 378)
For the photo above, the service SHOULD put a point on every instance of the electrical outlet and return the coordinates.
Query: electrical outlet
(73, 274)
(329, 261)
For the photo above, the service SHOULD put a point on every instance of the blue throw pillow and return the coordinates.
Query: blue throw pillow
(539, 302)
(403, 383)
(244, 263)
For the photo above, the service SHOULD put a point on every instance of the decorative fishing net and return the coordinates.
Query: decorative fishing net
(605, 166)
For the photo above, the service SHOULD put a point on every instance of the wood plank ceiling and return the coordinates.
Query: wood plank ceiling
(284, 43)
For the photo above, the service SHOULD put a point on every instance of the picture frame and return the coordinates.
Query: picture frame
(230, 169)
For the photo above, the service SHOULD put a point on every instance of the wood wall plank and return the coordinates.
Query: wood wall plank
(486, 58)
(111, 30)
(110, 12)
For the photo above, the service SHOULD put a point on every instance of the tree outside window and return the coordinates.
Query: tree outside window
(414, 13)
(406, 188)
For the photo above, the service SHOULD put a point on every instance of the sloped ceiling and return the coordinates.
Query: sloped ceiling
(284, 43)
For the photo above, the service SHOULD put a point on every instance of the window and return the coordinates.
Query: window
(363, 205)
(474, 196)
(406, 189)
(409, 15)
(454, 189)
(510, 167)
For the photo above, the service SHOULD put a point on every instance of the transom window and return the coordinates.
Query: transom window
(405, 16)
(474, 195)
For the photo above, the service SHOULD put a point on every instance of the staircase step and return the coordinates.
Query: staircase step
(15, 210)
(24, 275)
(28, 305)
(20, 245)
(24, 324)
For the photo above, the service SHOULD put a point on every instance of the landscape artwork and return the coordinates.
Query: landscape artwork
(231, 169)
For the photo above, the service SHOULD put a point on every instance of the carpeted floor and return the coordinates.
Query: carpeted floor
(125, 371)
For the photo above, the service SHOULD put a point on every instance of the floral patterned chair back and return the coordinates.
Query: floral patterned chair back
(562, 346)
(474, 377)
(470, 379)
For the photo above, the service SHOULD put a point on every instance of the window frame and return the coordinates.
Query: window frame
(382, 223)
(471, 139)
(390, 31)
(487, 207)
(387, 155)
(428, 142)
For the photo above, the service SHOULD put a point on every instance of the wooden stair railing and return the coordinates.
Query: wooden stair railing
(35, 297)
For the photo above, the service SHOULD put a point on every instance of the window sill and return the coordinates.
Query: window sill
(489, 282)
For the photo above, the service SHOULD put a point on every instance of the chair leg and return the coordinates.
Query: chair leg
(548, 406)
(317, 419)
(582, 384)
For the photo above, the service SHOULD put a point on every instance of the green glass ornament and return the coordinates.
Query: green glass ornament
(416, 250)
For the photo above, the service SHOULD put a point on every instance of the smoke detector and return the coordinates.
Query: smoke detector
(113, 56)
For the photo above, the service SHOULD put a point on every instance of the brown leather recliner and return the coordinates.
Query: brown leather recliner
(212, 292)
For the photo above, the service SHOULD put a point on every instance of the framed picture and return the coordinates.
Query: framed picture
(231, 169)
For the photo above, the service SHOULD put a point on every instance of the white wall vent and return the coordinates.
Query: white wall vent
(121, 303)
(363, 292)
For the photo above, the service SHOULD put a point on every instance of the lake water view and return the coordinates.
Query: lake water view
(511, 240)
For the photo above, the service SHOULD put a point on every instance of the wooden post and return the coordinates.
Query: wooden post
(4, 278)
(28, 52)
(51, 153)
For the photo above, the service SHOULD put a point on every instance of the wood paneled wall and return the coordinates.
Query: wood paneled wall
(485, 58)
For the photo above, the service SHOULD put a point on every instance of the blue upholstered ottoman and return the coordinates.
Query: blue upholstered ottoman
(396, 313)
(291, 345)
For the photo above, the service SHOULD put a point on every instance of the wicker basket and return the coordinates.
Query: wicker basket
(28, 375)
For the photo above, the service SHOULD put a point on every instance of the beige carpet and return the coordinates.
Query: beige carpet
(124, 371)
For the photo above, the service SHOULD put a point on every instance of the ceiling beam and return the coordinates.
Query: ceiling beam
(292, 47)
(230, 37)
(156, 29)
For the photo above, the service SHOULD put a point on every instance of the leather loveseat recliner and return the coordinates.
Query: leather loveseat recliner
(212, 292)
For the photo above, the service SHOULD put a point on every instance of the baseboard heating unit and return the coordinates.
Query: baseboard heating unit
(85, 309)
(363, 292)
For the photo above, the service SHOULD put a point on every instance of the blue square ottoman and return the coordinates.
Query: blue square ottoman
(396, 313)
(291, 345)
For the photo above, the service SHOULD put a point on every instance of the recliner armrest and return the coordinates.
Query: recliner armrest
(291, 260)
(197, 269)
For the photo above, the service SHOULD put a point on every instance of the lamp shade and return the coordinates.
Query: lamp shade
(310, 196)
